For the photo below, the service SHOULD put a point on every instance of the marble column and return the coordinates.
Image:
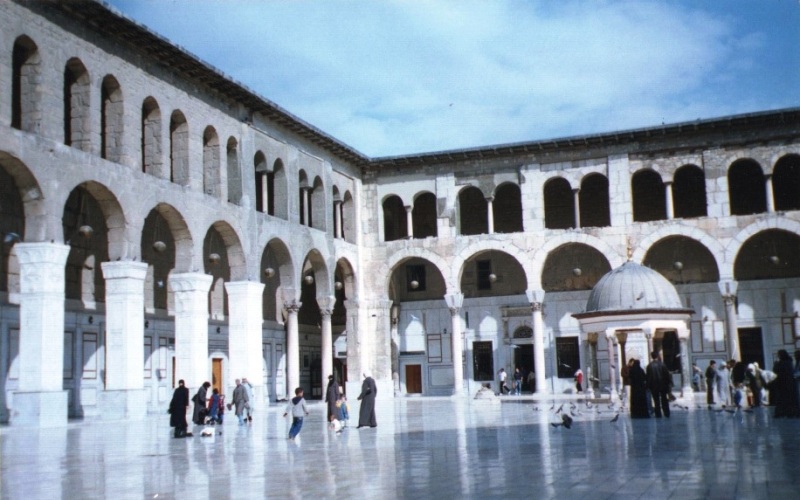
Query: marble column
(264, 193)
(41, 400)
(245, 335)
(611, 340)
(670, 201)
(409, 222)
(728, 290)
(125, 396)
(326, 310)
(770, 196)
(536, 298)
(686, 367)
(306, 211)
(354, 365)
(586, 362)
(191, 327)
(490, 213)
(337, 219)
(292, 306)
(454, 303)
(577, 203)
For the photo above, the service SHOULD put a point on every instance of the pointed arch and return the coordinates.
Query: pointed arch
(111, 120)
(152, 155)
(77, 99)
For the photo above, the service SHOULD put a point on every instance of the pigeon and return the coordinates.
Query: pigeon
(730, 411)
(551, 408)
(535, 408)
(555, 424)
(573, 413)
(559, 409)
(616, 417)
(566, 420)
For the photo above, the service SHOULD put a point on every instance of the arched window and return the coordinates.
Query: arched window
(746, 190)
(179, 148)
(262, 180)
(593, 201)
(302, 198)
(507, 209)
(649, 198)
(559, 204)
(234, 174)
(689, 192)
(317, 201)
(25, 84)
(152, 161)
(111, 119)
(395, 224)
(473, 213)
(423, 216)
(76, 106)
(211, 180)
(786, 183)
(278, 191)
(348, 218)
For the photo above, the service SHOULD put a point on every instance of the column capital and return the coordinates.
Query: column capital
(33, 253)
(489, 199)
(337, 202)
(326, 304)
(124, 269)
(611, 335)
(352, 304)
(292, 306)
(537, 306)
(728, 287)
(535, 295)
(408, 208)
(190, 282)
(454, 301)
(42, 267)
(244, 287)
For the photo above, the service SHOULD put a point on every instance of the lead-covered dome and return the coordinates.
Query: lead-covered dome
(632, 286)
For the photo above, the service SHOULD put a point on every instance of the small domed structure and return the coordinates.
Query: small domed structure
(630, 287)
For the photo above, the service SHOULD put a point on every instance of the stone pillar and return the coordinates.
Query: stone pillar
(42, 400)
(191, 327)
(245, 320)
(586, 362)
(490, 213)
(337, 219)
(409, 222)
(686, 367)
(292, 306)
(326, 309)
(577, 202)
(125, 396)
(670, 201)
(648, 334)
(354, 366)
(306, 193)
(265, 193)
(536, 298)
(770, 195)
(454, 303)
(728, 290)
(611, 340)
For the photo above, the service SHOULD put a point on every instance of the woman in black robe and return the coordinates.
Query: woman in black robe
(331, 397)
(199, 414)
(782, 390)
(177, 410)
(638, 381)
(366, 415)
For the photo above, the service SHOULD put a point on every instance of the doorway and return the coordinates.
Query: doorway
(523, 359)
(216, 374)
(414, 379)
(751, 345)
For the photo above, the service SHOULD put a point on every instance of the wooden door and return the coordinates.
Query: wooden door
(414, 379)
(216, 374)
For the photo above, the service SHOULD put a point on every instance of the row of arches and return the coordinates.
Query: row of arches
(105, 135)
(750, 191)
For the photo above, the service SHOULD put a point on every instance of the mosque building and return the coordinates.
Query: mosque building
(161, 221)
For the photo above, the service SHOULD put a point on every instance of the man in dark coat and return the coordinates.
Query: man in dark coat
(659, 381)
(366, 416)
(332, 397)
(199, 399)
(782, 390)
(177, 410)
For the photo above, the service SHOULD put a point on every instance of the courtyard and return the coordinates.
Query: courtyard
(422, 448)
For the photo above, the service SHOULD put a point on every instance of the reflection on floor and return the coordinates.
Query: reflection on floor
(422, 448)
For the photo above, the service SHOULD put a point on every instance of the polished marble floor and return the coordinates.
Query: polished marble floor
(422, 448)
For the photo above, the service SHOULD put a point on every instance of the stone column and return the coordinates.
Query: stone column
(191, 327)
(536, 298)
(728, 290)
(42, 400)
(770, 196)
(670, 201)
(306, 211)
(245, 320)
(454, 303)
(326, 309)
(490, 213)
(354, 365)
(577, 202)
(611, 340)
(648, 334)
(265, 193)
(337, 219)
(686, 367)
(125, 396)
(292, 306)
(409, 222)
(586, 362)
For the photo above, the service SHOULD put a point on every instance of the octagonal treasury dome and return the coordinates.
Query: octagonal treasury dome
(632, 287)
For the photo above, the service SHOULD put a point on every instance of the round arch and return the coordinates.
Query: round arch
(536, 264)
(387, 269)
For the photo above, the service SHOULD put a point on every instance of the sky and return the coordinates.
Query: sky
(399, 77)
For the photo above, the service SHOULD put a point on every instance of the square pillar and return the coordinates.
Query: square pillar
(245, 320)
(42, 402)
(191, 327)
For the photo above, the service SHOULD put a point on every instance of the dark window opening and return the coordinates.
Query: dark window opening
(649, 198)
(568, 356)
(473, 212)
(423, 216)
(786, 183)
(746, 188)
(593, 201)
(559, 204)
(395, 223)
(689, 192)
(483, 361)
(484, 272)
(507, 208)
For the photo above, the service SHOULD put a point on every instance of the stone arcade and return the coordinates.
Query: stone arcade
(161, 222)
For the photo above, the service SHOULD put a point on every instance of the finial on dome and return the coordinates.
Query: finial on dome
(629, 249)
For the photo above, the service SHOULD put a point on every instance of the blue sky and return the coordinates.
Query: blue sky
(402, 77)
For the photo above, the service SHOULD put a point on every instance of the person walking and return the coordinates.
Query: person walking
(297, 407)
(711, 381)
(724, 385)
(199, 400)
(249, 407)
(366, 414)
(782, 390)
(638, 390)
(659, 380)
(332, 396)
(240, 400)
(177, 410)
(517, 382)
(579, 381)
(215, 407)
(503, 376)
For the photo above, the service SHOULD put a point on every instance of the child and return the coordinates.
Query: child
(738, 395)
(344, 411)
(335, 425)
(214, 408)
(297, 406)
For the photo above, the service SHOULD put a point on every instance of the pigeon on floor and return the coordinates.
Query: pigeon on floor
(566, 420)
(616, 417)
(559, 409)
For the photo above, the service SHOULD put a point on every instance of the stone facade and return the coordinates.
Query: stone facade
(180, 199)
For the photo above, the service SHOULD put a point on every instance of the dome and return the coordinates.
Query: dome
(632, 286)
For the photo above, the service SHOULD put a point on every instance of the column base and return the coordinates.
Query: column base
(40, 409)
(124, 404)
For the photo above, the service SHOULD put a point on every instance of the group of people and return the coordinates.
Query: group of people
(211, 410)
(516, 381)
(654, 383)
(734, 383)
